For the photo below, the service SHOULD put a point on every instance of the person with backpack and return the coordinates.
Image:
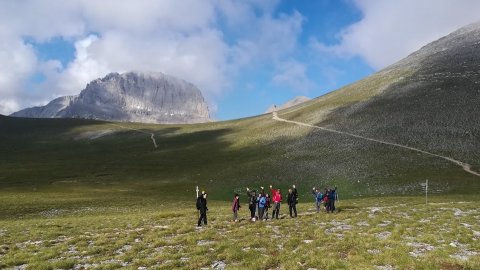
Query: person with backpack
(333, 199)
(235, 207)
(252, 203)
(292, 201)
(277, 199)
(202, 207)
(294, 189)
(267, 206)
(318, 196)
(325, 200)
(262, 202)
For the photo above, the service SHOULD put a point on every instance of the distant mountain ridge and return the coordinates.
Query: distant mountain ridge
(147, 97)
(288, 104)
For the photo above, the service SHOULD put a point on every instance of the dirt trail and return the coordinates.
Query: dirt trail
(465, 166)
(152, 136)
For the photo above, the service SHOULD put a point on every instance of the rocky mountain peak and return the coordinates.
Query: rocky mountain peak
(148, 97)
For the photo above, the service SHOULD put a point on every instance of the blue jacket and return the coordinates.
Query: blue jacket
(318, 196)
(262, 202)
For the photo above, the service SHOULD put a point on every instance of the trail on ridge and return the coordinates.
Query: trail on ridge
(465, 166)
(152, 136)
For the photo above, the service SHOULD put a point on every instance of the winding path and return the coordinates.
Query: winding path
(465, 166)
(152, 136)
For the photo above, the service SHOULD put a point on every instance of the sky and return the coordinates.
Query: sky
(244, 55)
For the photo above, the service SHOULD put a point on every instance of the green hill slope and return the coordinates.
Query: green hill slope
(428, 101)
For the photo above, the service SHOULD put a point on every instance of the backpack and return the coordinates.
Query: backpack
(199, 203)
(262, 202)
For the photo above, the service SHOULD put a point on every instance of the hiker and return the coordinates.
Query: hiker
(252, 203)
(257, 214)
(267, 206)
(295, 193)
(291, 201)
(202, 207)
(277, 199)
(325, 200)
(333, 198)
(262, 202)
(318, 198)
(235, 207)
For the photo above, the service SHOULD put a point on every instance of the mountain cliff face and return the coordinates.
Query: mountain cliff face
(130, 97)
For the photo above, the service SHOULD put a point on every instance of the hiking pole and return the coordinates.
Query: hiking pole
(197, 199)
(426, 192)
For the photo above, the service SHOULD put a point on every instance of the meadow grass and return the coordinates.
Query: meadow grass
(367, 233)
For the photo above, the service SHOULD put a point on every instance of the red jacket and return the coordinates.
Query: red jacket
(276, 196)
(236, 204)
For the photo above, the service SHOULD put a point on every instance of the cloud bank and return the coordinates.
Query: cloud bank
(391, 29)
(187, 39)
(208, 42)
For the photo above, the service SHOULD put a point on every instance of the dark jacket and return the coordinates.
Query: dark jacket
(252, 200)
(202, 204)
(295, 194)
(291, 198)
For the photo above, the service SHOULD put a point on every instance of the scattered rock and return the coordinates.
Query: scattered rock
(20, 267)
(464, 255)
(220, 265)
(72, 250)
(420, 249)
(384, 267)
(363, 224)
(383, 235)
(205, 242)
(123, 249)
(82, 266)
(307, 241)
(374, 251)
(52, 213)
(385, 223)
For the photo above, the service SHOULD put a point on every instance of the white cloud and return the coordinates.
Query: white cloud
(182, 38)
(392, 29)
(293, 74)
(18, 63)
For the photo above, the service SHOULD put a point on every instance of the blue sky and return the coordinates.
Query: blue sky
(244, 55)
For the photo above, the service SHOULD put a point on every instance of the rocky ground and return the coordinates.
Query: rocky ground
(384, 233)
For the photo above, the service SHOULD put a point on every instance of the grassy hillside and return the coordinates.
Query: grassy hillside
(428, 101)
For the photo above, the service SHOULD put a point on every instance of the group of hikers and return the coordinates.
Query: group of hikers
(260, 202)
